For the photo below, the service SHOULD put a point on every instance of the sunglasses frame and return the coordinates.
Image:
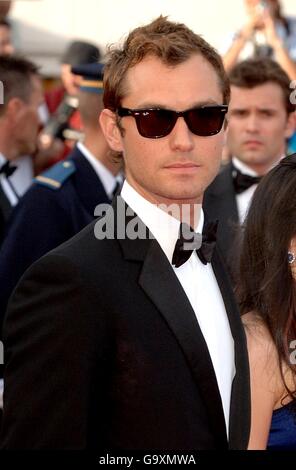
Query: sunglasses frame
(137, 113)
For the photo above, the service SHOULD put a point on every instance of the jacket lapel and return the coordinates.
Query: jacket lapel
(161, 285)
(5, 206)
(221, 195)
(220, 203)
(239, 418)
(5, 211)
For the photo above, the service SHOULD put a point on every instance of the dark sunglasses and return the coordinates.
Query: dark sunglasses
(156, 123)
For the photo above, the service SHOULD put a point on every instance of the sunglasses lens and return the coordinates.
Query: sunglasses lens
(205, 121)
(155, 123)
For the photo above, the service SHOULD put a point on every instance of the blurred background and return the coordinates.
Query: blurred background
(42, 28)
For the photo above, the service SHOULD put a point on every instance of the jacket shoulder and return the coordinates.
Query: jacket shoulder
(221, 182)
(56, 176)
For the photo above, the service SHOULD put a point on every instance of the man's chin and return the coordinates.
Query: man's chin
(253, 156)
(184, 197)
(30, 151)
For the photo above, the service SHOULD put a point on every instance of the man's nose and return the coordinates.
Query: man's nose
(252, 123)
(181, 138)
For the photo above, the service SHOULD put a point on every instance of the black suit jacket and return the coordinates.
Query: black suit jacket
(46, 217)
(5, 211)
(103, 351)
(220, 203)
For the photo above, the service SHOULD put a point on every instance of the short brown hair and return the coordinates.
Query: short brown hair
(90, 105)
(15, 75)
(255, 72)
(173, 43)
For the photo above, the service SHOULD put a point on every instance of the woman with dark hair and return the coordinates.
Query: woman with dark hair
(267, 295)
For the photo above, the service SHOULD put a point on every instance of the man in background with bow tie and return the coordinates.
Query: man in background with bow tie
(21, 96)
(116, 340)
(260, 120)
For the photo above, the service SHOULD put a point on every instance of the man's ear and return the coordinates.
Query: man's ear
(14, 108)
(110, 129)
(290, 125)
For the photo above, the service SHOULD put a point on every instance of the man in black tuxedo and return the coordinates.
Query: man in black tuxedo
(260, 120)
(124, 337)
(20, 97)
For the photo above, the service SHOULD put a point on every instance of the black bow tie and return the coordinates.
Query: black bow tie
(7, 169)
(189, 241)
(242, 182)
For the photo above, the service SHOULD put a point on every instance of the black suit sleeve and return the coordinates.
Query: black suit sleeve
(54, 338)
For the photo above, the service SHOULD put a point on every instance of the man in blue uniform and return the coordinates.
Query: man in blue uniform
(63, 199)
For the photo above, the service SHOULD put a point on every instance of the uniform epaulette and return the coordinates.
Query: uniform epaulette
(55, 177)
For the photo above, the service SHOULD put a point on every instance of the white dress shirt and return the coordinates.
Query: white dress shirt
(23, 176)
(200, 286)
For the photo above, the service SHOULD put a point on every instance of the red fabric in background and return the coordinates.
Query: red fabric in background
(53, 98)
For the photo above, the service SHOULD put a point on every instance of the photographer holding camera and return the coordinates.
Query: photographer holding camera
(266, 33)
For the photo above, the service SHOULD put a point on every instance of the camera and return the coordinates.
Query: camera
(59, 121)
(262, 6)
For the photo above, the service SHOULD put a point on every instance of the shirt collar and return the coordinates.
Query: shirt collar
(108, 180)
(242, 167)
(164, 227)
(246, 170)
(2, 159)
